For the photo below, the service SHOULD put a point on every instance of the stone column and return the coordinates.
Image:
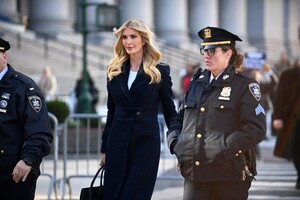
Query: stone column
(171, 21)
(8, 8)
(233, 17)
(275, 30)
(255, 23)
(292, 31)
(202, 13)
(50, 17)
(141, 9)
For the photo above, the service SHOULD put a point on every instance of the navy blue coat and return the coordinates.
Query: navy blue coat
(131, 139)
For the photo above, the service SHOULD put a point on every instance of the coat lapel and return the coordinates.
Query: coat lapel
(139, 80)
(123, 79)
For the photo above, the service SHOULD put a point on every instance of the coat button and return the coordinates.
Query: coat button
(197, 163)
(2, 151)
(221, 106)
(199, 135)
(138, 113)
(237, 155)
(202, 109)
(240, 151)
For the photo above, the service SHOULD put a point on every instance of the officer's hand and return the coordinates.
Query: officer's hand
(21, 171)
(278, 124)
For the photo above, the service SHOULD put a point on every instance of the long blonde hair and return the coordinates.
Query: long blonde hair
(151, 55)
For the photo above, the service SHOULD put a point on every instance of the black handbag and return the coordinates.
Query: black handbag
(94, 192)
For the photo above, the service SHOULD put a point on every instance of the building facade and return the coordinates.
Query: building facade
(271, 26)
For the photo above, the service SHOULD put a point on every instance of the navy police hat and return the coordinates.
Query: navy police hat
(213, 37)
(4, 45)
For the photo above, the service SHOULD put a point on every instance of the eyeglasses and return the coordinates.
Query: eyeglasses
(210, 52)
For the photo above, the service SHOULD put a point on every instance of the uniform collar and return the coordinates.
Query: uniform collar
(224, 77)
(4, 71)
(216, 78)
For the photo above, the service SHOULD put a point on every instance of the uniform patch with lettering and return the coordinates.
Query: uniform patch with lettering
(5, 95)
(255, 90)
(2, 110)
(35, 102)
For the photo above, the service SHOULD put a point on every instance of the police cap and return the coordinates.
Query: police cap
(213, 37)
(4, 45)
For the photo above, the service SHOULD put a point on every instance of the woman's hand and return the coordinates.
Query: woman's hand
(278, 124)
(102, 159)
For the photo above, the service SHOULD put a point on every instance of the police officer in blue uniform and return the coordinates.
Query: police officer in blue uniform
(25, 132)
(221, 121)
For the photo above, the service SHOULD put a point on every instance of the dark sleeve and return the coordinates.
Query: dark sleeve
(174, 132)
(166, 97)
(35, 120)
(281, 95)
(109, 119)
(251, 127)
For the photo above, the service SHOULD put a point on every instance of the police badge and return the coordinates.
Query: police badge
(225, 94)
(35, 102)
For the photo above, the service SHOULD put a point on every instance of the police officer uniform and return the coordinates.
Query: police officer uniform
(25, 132)
(221, 122)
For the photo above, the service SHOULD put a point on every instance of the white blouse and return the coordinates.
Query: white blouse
(131, 78)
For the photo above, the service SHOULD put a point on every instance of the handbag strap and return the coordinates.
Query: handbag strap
(101, 169)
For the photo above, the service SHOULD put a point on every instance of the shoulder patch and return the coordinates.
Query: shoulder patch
(35, 102)
(255, 90)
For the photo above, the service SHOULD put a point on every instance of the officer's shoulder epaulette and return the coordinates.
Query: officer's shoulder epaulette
(24, 79)
(243, 74)
(197, 74)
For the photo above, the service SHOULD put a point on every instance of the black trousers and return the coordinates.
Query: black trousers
(222, 190)
(10, 190)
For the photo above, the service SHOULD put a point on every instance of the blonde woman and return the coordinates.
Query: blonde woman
(137, 83)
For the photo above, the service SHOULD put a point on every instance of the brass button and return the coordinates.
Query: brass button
(197, 163)
(199, 135)
(221, 106)
(240, 151)
(237, 155)
(202, 109)
(2, 151)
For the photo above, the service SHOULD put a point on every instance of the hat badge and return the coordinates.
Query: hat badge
(207, 33)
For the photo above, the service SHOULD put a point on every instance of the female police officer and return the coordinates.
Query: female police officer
(221, 122)
(25, 134)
